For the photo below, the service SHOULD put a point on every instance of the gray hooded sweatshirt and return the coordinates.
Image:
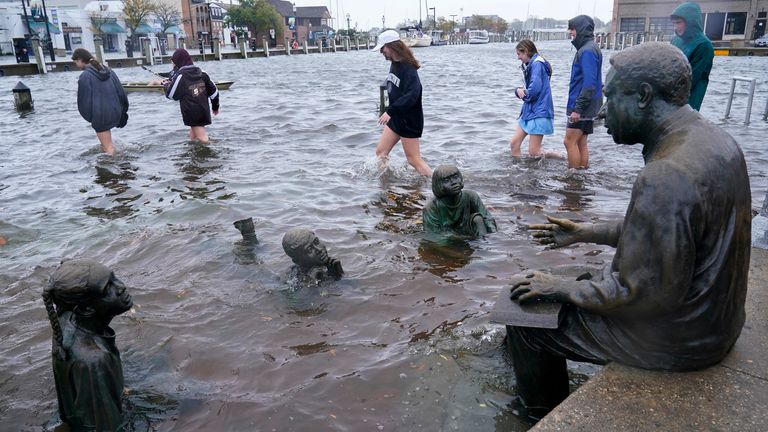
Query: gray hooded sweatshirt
(101, 99)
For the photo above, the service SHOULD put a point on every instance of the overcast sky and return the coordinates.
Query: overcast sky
(368, 13)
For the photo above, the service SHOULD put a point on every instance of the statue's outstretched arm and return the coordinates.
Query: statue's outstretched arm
(564, 232)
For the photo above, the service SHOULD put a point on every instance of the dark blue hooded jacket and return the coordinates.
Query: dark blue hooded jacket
(585, 93)
(101, 99)
(404, 90)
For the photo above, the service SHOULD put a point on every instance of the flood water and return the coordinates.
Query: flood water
(218, 338)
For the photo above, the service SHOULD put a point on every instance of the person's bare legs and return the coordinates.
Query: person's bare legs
(572, 140)
(534, 145)
(411, 146)
(517, 141)
(583, 152)
(105, 139)
(199, 133)
(386, 143)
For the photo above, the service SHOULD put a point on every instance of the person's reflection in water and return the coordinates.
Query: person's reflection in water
(445, 254)
(576, 197)
(196, 163)
(117, 201)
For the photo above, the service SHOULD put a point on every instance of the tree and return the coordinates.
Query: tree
(257, 15)
(167, 14)
(97, 19)
(500, 26)
(135, 12)
(445, 25)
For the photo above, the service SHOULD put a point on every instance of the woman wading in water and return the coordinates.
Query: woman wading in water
(404, 118)
(101, 99)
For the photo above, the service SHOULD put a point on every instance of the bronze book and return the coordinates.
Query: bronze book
(539, 314)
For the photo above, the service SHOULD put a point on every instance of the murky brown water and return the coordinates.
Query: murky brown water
(218, 339)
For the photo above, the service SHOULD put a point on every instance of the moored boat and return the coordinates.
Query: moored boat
(478, 37)
(130, 87)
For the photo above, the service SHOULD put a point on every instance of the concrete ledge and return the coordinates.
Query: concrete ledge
(732, 396)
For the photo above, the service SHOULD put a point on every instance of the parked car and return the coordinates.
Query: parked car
(762, 41)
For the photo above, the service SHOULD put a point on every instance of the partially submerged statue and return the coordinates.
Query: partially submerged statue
(673, 297)
(246, 228)
(310, 255)
(81, 298)
(455, 210)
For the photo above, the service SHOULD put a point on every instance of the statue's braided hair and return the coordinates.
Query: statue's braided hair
(53, 317)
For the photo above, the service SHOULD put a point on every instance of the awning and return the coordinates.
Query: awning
(144, 29)
(173, 29)
(39, 27)
(112, 27)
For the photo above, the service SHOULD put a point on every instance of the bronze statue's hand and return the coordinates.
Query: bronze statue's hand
(334, 268)
(539, 286)
(557, 233)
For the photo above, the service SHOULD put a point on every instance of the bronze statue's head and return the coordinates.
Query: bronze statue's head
(304, 248)
(644, 81)
(84, 284)
(447, 181)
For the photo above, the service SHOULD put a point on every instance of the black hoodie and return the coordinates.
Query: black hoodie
(101, 99)
(192, 88)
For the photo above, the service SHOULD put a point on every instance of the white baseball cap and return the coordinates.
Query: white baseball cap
(386, 37)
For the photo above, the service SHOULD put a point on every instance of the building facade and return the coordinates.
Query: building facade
(724, 20)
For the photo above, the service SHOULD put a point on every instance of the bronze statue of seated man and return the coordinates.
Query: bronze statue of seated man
(310, 256)
(673, 296)
(81, 298)
(454, 210)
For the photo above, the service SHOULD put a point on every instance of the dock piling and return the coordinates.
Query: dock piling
(752, 82)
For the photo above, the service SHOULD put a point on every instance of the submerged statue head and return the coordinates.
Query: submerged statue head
(447, 181)
(304, 248)
(81, 298)
(638, 97)
(307, 251)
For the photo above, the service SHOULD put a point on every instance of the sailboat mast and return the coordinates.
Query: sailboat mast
(419, 13)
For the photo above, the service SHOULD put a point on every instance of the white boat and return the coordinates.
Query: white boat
(437, 38)
(423, 40)
(413, 37)
(478, 37)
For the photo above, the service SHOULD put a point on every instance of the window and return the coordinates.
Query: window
(632, 25)
(661, 24)
(735, 23)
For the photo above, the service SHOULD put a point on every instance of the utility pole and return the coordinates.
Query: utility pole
(48, 32)
(453, 23)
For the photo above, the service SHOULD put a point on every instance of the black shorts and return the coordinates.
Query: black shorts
(404, 130)
(586, 126)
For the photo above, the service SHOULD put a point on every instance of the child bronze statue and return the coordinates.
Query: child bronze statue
(454, 210)
(81, 298)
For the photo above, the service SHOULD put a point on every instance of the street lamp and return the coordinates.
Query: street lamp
(348, 24)
(434, 17)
